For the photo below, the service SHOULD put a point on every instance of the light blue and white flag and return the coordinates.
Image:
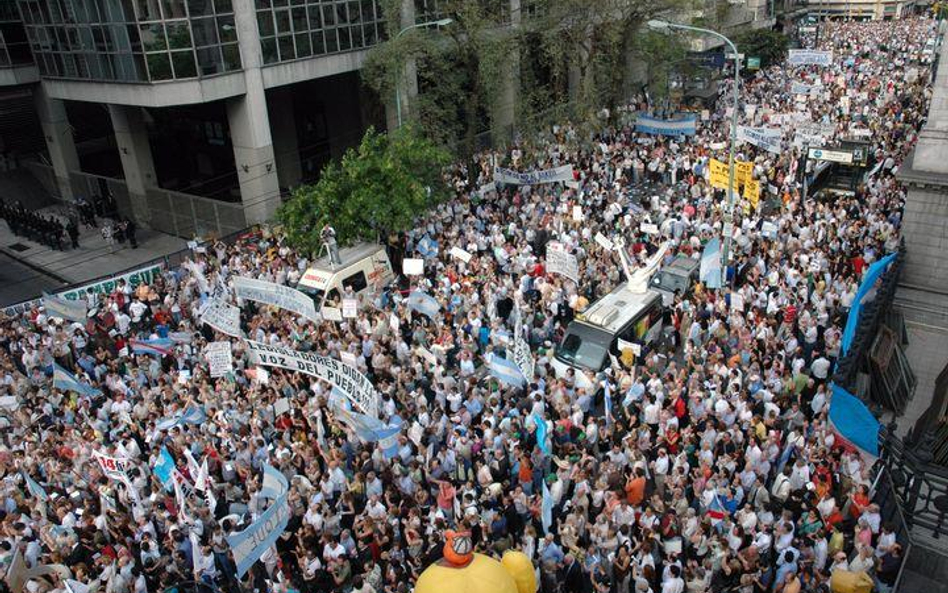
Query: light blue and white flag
(506, 371)
(36, 491)
(423, 303)
(66, 381)
(191, 415)
(546, 509)
(681, 126)
(710, 273)
(155, 346)
(164, 466)
(427, 247)
(249, 544)
(367, 428)
(542, 441)
(60, 307)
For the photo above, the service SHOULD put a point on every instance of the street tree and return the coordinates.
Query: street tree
(378, 187)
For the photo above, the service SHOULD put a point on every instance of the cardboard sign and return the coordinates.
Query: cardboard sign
(219, 357)
(350, 308)
(461, 254)
(413, 267)
(332, 314)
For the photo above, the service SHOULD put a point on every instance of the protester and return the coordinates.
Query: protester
(709, 466)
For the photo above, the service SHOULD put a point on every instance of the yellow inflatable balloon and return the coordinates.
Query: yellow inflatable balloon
(462, 571)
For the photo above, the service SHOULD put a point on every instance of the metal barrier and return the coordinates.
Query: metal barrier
(890, 508)
(919, 484)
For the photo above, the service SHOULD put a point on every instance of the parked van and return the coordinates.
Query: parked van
(364, 265)
(631, 316)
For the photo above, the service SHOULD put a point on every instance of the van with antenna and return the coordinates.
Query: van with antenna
(628, 317)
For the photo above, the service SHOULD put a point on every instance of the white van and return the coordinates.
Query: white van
(364, 266)
(632, 316)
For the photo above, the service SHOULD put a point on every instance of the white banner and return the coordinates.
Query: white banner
(277, 295)
(348, 380)
(558, 261)
(766, 138)
(220, 358)
(460, 254)
(523, 358)
(802, 88)
(223, 317)
(804, 57)
(564, 173)
(113, 467)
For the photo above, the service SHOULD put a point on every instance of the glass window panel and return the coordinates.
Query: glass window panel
(332, 44)
(127, 9)
(265, 23)
(354, 12)
(345, 42)
(368, 11)
(299, 19)
(297, 2)
(223, 6)
(183, 64)
(356, 36)
(319, 43)
(269, 48)
(231, 53)
(315, 22)
(282, 21)
(329, 16)
(280, 3)
(369, 35)
(148, 10)
(287, 52)
(204, 31)
(179, 35)
(153, 37)
(173, 9)
(225, 29)
(200, 8)
(159, 66)
(342, 15)
(135, 42)
(210, 61)
(303, 46)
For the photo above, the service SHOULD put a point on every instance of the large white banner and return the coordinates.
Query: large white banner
(348, 380)
(564, 173)
(766, 138)
(223, 317)
(277, 295)
(804, 57)
(559, 261)
(220, 358)
(113, 467)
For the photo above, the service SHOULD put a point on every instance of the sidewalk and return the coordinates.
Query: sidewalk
(93, 259)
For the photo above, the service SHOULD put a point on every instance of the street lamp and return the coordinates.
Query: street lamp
(657, 25)
(398, 96)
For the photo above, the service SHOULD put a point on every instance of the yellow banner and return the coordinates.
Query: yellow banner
(752, 192)
(718, 174)
(742, 172)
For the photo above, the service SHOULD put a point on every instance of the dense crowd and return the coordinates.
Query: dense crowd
(713, 468)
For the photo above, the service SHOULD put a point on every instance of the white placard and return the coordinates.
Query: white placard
(223, 317)
(277, 295)
(558, 261)
(604, 242)
(332, 313)
(737, 301)
(651, 229)
(523, 358)
(577, 213)
(220, 358)
(281, 406)
(460, 254)
(347, 379)
(413, 267)
(624, 345)
(349, 358)
(350, 308)
(768, 230)
(564, 173)
(394, 322)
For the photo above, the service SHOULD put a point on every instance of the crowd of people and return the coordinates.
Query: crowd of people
(711, 467)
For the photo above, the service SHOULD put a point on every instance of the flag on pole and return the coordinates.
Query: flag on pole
(542, 432)
(546, 509)
(155, 346)
(66, 381)
(506, 371)
(710, 273)
(163, 467)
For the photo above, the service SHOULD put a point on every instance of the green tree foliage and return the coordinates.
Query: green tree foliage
(770, 46)
(379, 187)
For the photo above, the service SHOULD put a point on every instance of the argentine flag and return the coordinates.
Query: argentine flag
(66, 381)
(506, 371)
(424, 304)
